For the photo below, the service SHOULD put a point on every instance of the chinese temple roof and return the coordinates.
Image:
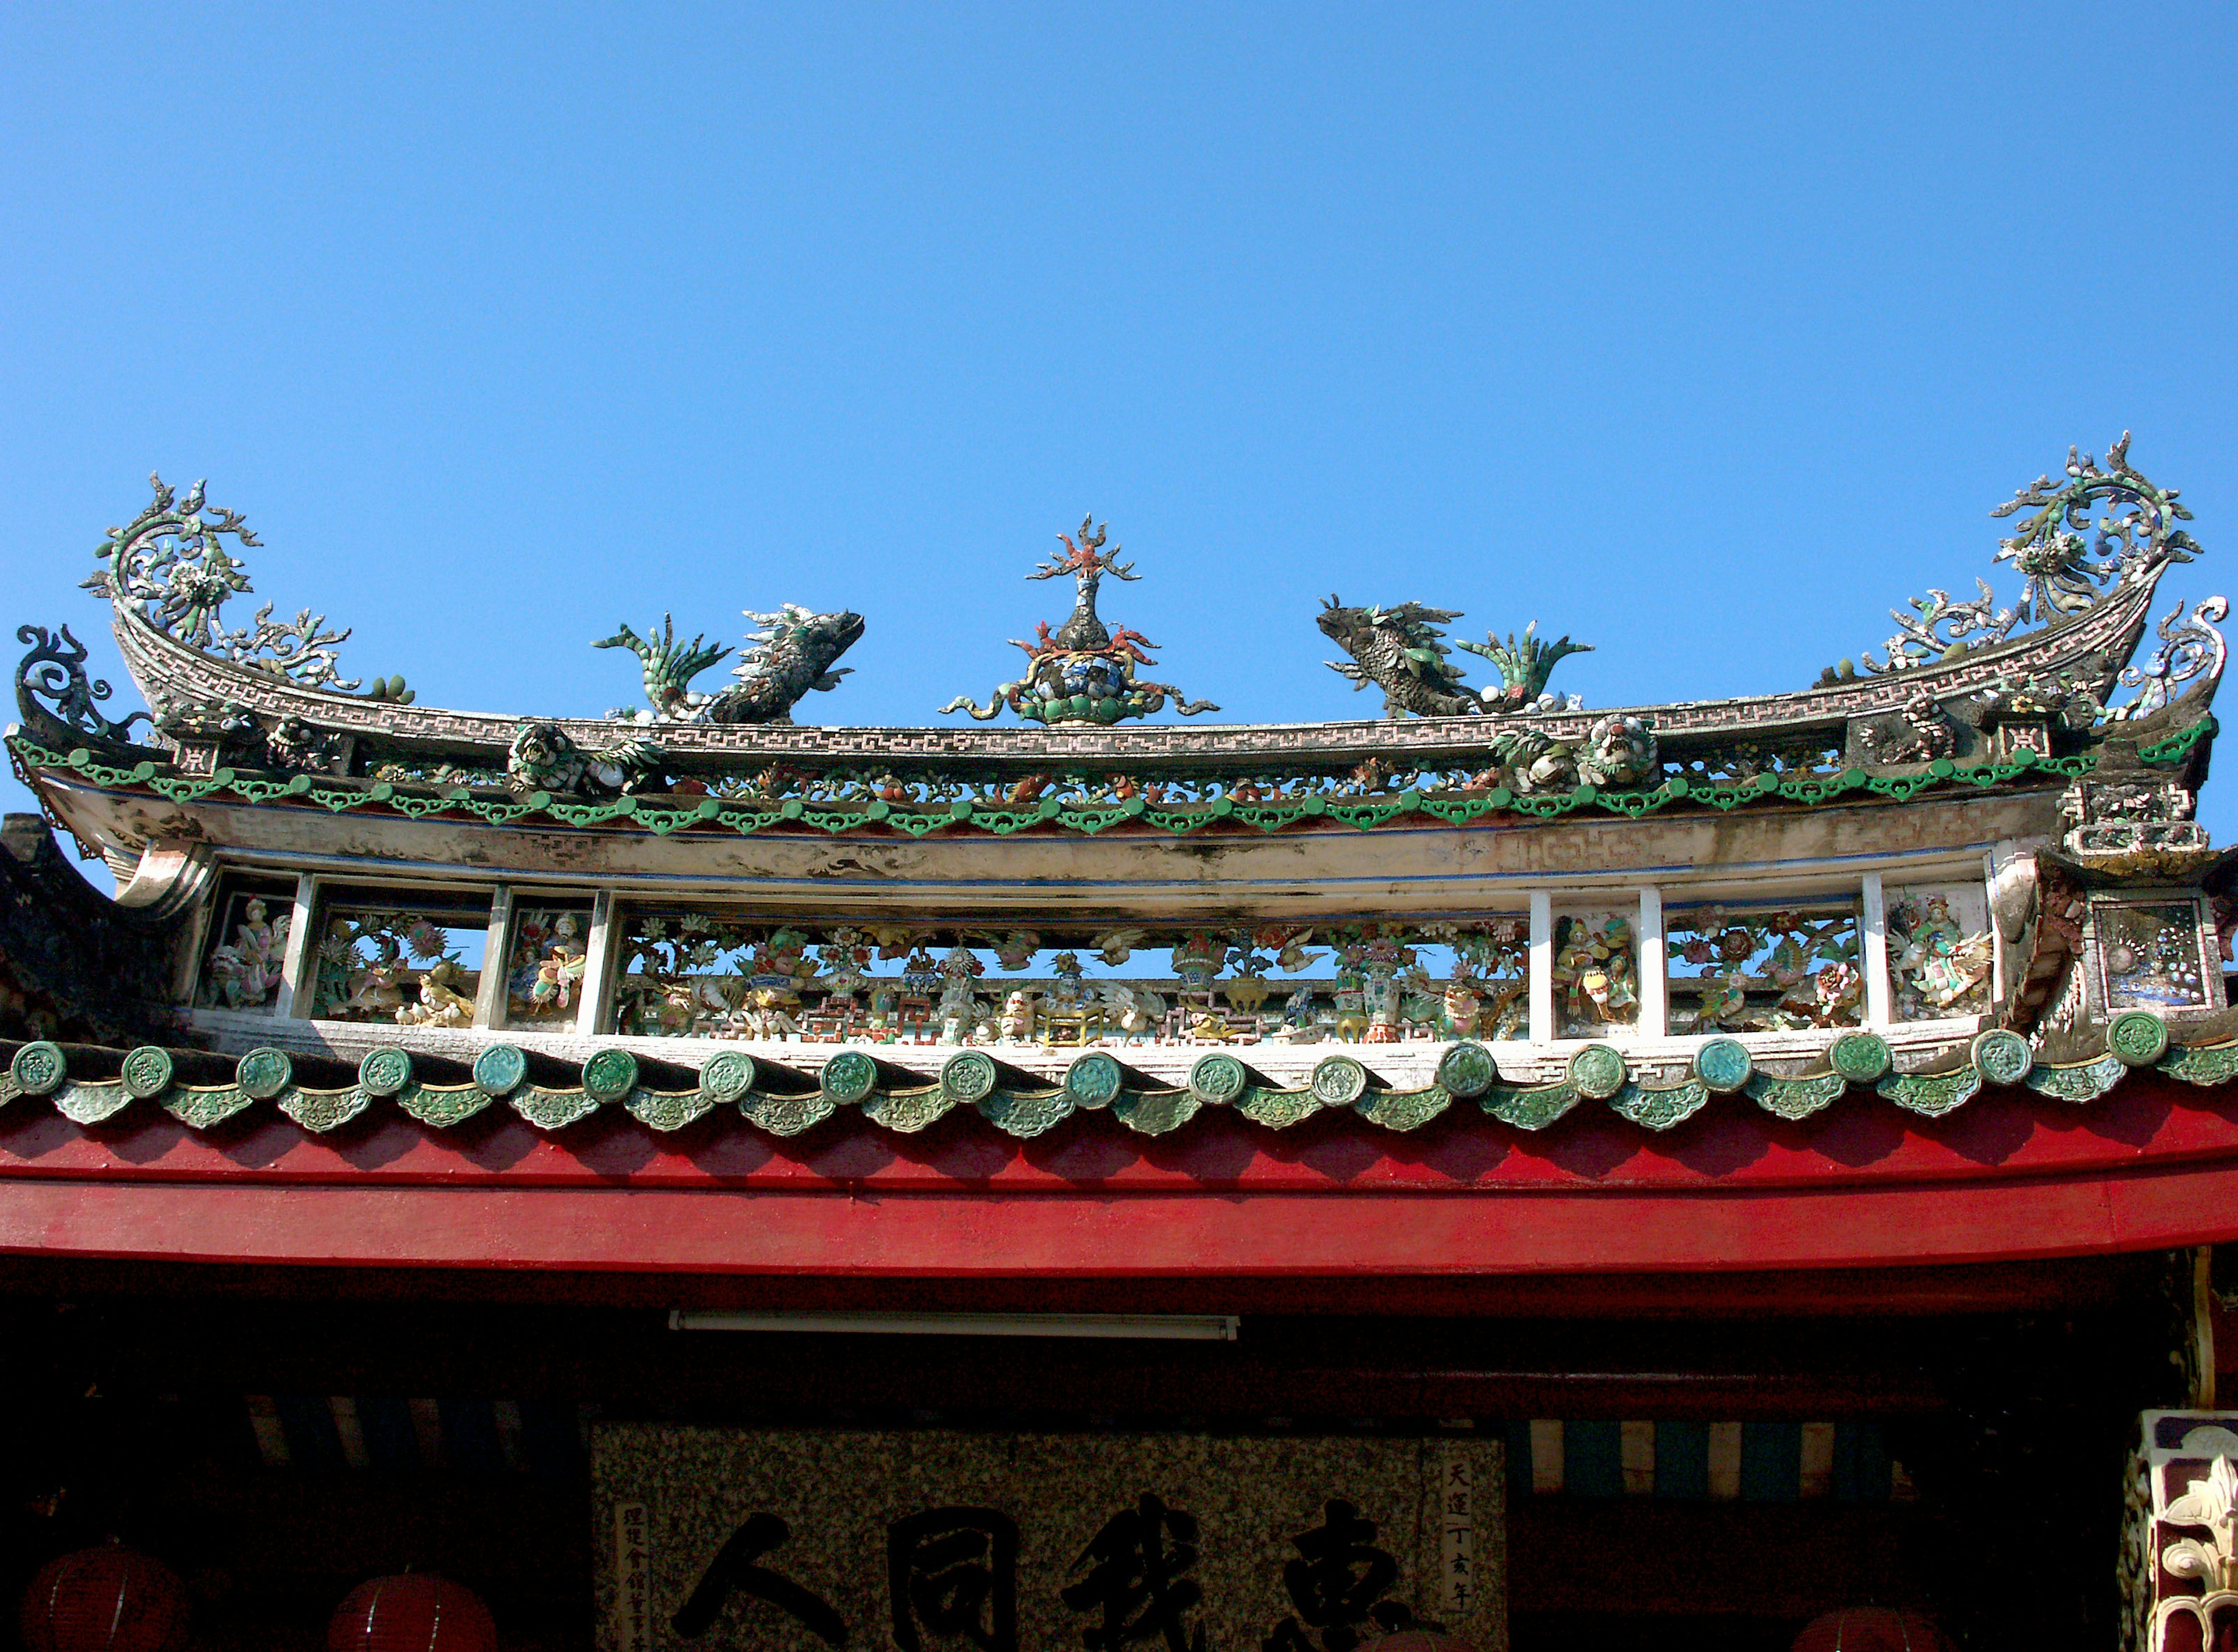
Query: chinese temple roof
(1940, 921)
(1968, 696)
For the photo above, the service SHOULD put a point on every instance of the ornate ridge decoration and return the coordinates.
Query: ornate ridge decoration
(2049, 553)
(2191, 650)
(789, 655)
(1402, 650)
(171, 567)
(2061, 572)
(1525, 666)
(1084, 671)
(56, 671)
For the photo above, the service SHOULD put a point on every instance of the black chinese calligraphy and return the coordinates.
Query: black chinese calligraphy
(954, 1572)
(734, 1571)
(1137, 1582)
(1337, 1583)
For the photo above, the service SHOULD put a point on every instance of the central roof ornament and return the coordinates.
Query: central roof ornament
(1084, 672)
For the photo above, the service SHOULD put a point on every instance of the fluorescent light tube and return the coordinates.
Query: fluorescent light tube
(1170, 1327)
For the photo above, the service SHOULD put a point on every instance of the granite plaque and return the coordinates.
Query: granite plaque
(727, 1539)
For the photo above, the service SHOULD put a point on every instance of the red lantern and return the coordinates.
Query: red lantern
(418, 1612)
(105, 1600)
(1872, 1629)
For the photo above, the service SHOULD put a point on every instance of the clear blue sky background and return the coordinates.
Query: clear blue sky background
(1703, 334)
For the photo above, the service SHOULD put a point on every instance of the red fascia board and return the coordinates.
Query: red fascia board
(998, 1234)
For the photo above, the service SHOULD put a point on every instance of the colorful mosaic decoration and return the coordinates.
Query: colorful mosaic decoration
(1084, 672)
(1938, 966)
(2151, 954)
(403, 967)
(1763, 972)
(697, 974)
(544, 968)
(1596, 973)
(243, 968)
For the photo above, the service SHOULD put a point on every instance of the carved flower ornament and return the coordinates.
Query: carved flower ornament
(2213, 1502)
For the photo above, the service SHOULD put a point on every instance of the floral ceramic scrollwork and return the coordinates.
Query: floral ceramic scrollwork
(2062, 570)
(1769, 972)
(2191, 650)
(55, 671)
(169, 565)
(1937, 627)
(1083, 672)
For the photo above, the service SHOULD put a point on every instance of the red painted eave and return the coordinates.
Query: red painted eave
(2009, 1177)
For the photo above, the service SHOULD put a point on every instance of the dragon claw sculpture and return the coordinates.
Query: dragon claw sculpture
(1525, 665)
(791, 653)
(1084, 672)
(1402, 650)
(669, 668)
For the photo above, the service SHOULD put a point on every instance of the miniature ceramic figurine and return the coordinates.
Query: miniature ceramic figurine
(960, 1011)
(376, 990)
(246, 971)
(441, 1003)
(1596, 978)
(1939, 968)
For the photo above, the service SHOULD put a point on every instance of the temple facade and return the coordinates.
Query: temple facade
(1499, 1172)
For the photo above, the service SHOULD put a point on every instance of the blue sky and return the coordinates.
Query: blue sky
(1703, 334)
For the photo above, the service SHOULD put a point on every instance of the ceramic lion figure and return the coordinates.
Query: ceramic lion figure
(1619, 751)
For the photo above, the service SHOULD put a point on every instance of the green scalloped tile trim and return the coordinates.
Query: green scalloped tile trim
(91, 1100)
(320, 1111)
(1277, 1109)
(1402, 1109)
(1533, 1107)
(1153, 1113)
(2208, 1064)
(1027, 1116)
(1660, 1108)
(1794, 1098)
(441, 1106)
(9, 1089)
(659, 818)
(909, 1110)
(551, 1109)
(200, 1106)
(665, 1110)
(2179, 745)
(1931, 1096)
(2084, 1081)
(787, 1114)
